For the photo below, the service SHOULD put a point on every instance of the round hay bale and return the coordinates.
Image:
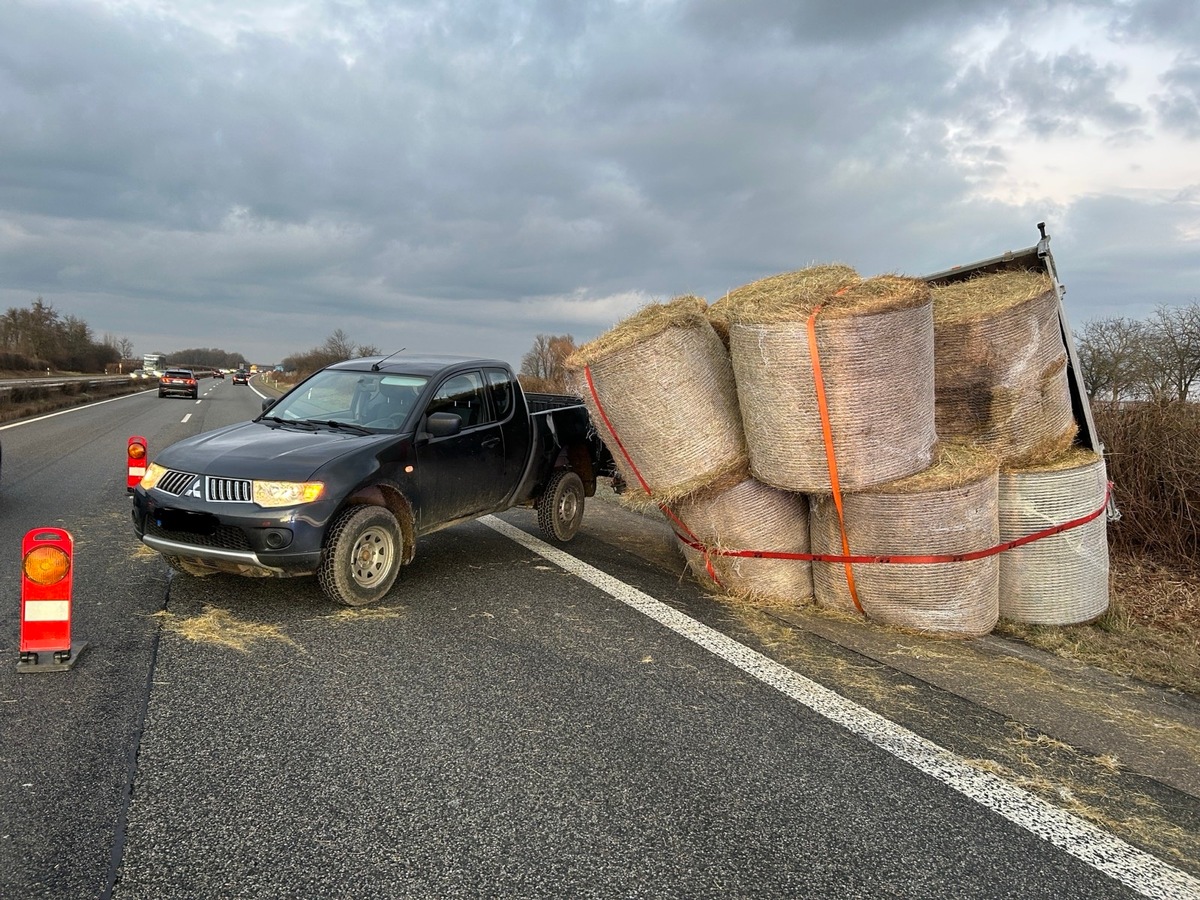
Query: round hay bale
(750, 516)
(875, 346)
(949, 509)
(1061, 579)
(665, 386)
(1001, 365)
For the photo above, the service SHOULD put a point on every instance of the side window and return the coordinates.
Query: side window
(501, 388)
(463, 396)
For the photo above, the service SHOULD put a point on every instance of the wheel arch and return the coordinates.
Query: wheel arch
(390, 497)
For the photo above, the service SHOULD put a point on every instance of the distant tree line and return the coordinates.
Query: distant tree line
(209, 357)
(1156, 359)
(337, 347)
(39, 338)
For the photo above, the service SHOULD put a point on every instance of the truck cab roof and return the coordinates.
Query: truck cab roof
(428, 364)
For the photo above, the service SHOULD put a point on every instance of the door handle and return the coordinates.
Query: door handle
(492, 442)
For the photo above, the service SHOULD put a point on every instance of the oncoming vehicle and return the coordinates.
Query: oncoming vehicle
(341, 475)
(180, 382)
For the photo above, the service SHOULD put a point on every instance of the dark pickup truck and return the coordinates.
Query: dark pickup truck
(340, 475)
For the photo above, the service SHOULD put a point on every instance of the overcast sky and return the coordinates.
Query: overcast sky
(462, 175)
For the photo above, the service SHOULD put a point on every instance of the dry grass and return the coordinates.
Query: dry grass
(1151, 631)
(1153, 457)
(790, 297)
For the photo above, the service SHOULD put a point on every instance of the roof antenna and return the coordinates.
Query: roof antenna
(375, 366)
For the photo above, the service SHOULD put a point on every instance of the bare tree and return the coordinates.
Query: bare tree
(1113, 359)
(338, 346)
(543, 367)
(1173, 347)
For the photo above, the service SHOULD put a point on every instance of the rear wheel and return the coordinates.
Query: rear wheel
(560, 509)
(361, 559)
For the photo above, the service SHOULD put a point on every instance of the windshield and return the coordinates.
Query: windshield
(372, 400)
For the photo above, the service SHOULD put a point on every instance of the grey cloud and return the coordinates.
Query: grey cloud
(1179, 107)
(1048, 95)
(450, 173)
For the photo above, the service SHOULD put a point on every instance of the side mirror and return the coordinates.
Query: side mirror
(443, 424)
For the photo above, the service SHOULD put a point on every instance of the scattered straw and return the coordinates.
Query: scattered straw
(954, 465)
(218, 626)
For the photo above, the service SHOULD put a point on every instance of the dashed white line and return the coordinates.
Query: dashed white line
(185, 418)
(1136, 869)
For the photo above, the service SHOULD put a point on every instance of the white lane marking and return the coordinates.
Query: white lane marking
(185, 418)
(73, 409)
(1136, 869)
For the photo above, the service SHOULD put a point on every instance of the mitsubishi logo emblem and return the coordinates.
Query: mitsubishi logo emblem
(196, 490)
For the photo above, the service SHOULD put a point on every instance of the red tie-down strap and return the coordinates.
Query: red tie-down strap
(909, 559)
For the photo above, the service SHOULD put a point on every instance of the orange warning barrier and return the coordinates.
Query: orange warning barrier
(46, 580)
(136, 460)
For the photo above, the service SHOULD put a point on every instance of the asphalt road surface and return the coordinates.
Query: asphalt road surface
(512, 721)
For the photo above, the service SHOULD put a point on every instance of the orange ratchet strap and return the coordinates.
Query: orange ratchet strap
(830, 456)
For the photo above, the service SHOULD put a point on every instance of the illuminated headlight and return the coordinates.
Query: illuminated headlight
(154, 474)
(286, 493)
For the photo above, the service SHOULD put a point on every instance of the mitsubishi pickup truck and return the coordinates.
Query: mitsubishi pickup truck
(342, 474)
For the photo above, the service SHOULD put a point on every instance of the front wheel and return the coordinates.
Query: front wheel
(361, 559)
(560, 508)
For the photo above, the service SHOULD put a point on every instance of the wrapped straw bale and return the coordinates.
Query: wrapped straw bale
(949, 509)
(875, 349)
(750, 516)
(665, 385)
(1061, 579)
(1002, 366)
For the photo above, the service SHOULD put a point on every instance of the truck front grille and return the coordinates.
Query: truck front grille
(220, 490)
(175, 482)
(230, 490)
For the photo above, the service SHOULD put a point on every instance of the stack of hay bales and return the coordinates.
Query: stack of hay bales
(876, 350)
(947, 415)
(660, 389)
(1061, 579)
(1001, 366)
(947, 510)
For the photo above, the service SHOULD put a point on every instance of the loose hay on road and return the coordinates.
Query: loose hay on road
(220, 627)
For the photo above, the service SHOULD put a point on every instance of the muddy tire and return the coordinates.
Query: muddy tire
(362, 556)
(560, 508)
(187, 568)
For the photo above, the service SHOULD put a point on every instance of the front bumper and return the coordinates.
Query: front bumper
(240, 538)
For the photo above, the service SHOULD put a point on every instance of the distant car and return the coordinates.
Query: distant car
(178, 381)
(217, 373)
(241, 377)
(138, 373)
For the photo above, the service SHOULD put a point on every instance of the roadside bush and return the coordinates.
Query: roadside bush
(1153, 454)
